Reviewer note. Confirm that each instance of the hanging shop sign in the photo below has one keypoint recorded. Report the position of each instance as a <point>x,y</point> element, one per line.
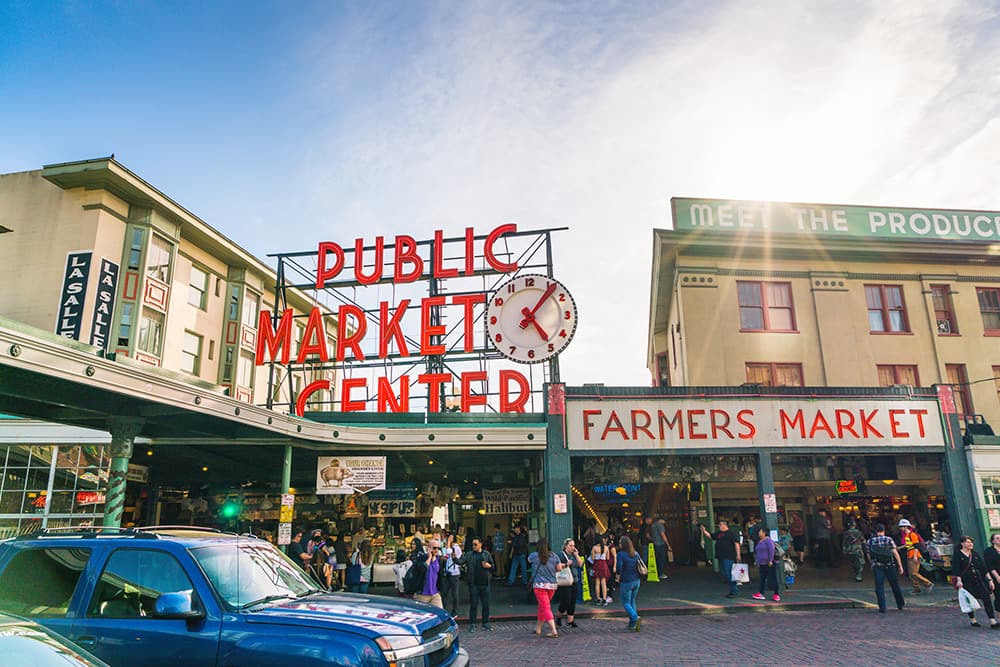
<point>848,486</point>
<point>506,501</point>
<point>392,503</point>
<point>529,319</point>
<point>749,422</point>
<point>137,473</point>
<point>343,475</point>
<point>104,307</point>
<point>737,216</point>
<point>69,319</point>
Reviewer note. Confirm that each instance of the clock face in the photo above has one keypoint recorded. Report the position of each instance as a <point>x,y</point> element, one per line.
<point>531,318</point>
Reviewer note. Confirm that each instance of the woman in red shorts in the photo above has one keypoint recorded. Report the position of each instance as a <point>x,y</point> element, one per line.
<point>602,572</point>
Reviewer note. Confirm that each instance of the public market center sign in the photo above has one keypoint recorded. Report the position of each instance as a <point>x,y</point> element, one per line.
<point>722,215</point>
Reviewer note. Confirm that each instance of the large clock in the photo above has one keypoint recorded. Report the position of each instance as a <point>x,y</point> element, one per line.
<point>531,318</point>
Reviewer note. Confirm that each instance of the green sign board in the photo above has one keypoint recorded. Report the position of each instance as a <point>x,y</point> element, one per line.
<point>725,215</point>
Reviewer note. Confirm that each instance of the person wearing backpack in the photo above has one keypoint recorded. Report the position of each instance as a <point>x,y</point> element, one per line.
<point>886,565</point>
<point>911,544</point>
<point>853,547</point>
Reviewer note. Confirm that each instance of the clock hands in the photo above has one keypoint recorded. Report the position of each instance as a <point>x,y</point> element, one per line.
<point>529,315</point>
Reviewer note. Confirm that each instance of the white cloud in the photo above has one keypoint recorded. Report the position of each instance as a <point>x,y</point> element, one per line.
<point>550,115</point>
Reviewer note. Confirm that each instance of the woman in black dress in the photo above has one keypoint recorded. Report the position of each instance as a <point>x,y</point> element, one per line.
<point>992,559</point>
<point>970,572</point>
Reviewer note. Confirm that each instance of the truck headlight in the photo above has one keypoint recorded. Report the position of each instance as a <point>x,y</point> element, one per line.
<point>401,650</point>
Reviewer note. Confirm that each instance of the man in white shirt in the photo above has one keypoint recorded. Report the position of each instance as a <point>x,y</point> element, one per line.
<point>449,596</point>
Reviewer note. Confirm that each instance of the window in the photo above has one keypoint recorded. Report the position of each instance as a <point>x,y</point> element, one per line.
<point>150,331</point>
<point>996,380</point>
<point>991,490</point>
<point>251,304</point>
<point>234,303</point>
<point>227,365</point>
<point>944,310</point>
<point>125,325</point>
<point>244,376</point>
<point>191,353</point>
<point>775,375</point>
<point>989,308</point>
<point>886,310</point>
<point>892,375</point>
<point>766,306</point>
<point>60,569</point>
<point>198,288</point>
<point>132,581</point>
<point>158,259</point>
<point>958,377</point>
<point>135,249</point>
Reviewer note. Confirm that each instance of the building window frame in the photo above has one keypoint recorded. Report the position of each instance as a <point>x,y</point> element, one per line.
<point>151,328</point>
<point>198,287</point>
<point>989,309</point>
<point>958,378</point>
<point>765,308</point>
<point>191,349</point>
<point>900,374</point>
<point>251,309</point>
<point>774,369</point>
<point>886,308</point>
<point>944,310</point>
<point>158,258</point>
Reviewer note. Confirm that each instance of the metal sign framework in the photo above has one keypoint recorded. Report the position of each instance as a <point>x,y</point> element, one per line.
<point>297,271</point>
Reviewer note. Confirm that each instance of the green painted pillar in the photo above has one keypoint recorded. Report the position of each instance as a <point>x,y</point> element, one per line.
<point>958,486</point>
<point>765,486</point>
<point>123,432</point>
<point>710,524</point>
<point>286,479</point>
<point>558,470</point>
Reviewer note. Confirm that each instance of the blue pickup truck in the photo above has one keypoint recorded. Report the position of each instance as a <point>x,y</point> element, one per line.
<point>182,596</point>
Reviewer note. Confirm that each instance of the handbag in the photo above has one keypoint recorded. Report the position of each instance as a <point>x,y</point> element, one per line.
<point>640,567</point>
<point>353,575</point>
<point>966,602</point>
<point>740,573</point>
<point>564,577</point>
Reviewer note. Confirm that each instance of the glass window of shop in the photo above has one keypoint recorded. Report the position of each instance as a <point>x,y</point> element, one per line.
<point>75,476</point>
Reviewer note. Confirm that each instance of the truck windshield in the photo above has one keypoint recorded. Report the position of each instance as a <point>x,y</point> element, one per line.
<point>247,574</point>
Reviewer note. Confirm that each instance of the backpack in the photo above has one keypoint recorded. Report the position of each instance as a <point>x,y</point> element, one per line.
<point>413,580</point>
<point>881,555</point>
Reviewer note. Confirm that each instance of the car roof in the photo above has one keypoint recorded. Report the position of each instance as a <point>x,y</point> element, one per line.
<point>187,536</point>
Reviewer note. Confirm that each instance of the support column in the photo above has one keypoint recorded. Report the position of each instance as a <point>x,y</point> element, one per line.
<point>710,544</point>
<point>286,479</point>
<point>557,469</point>
<point>765,485</point>
<point>123,432</point>
<point>958,485</point>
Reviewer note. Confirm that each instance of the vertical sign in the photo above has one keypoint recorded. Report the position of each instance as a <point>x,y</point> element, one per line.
<point>104,307</point>
<point>285,513</point>
<point>69,319</point>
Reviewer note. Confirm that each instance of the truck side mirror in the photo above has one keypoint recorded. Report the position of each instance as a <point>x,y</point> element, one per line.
<point>177,605</point>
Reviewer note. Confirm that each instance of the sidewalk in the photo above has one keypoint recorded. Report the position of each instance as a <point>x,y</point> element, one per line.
<point>699,590</point>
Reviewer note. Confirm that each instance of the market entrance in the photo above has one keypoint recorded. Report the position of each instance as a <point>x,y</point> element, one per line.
<point>617,494</point>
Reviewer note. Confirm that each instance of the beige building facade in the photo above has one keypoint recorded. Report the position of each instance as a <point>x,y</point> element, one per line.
<point>93,253</point>
<point>768,294</point>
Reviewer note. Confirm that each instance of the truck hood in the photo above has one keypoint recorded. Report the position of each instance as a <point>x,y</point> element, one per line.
<point>369,615</point>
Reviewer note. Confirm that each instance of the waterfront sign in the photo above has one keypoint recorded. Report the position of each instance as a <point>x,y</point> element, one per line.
<point>688,423</point>
<point>832,220</point>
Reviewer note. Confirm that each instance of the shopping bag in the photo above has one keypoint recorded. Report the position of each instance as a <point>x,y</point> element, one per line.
<point>740,573</point>
<point>966,602</point>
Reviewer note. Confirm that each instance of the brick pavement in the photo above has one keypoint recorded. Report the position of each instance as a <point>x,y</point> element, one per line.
<point>931,635</point>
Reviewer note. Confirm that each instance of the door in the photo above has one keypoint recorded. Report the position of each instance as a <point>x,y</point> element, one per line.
<point>119,624</point>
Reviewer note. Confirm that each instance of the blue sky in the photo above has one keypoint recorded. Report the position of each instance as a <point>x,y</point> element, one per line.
<point>283,124</point>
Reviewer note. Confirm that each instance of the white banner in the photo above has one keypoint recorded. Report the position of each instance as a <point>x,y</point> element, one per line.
<point>345,475</point>
<point>749,422</point>
<point>507,501</point>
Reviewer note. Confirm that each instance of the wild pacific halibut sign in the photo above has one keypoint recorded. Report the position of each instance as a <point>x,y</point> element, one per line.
<point>722,215</point>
